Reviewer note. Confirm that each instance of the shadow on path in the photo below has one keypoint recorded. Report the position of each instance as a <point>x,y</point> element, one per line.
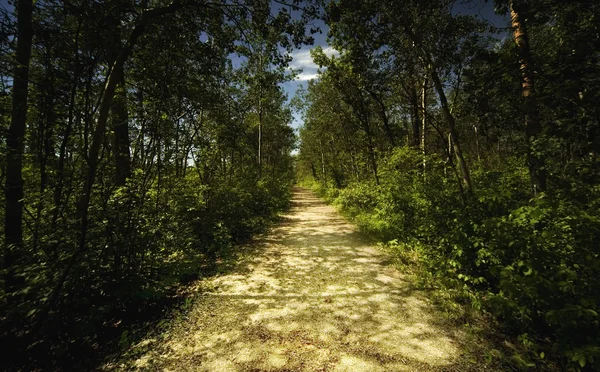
<point>318,297</point>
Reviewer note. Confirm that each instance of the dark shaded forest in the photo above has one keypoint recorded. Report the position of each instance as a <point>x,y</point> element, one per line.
<point>144,141</point>
<point>135,156</point>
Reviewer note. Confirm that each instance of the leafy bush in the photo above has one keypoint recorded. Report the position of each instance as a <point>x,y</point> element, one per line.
<point>143,243</point>
<point>535,264</point>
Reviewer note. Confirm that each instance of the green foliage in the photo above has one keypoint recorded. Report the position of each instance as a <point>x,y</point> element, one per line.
<point>129,198</point>
<point>395,155</point>
<point>534,264</point>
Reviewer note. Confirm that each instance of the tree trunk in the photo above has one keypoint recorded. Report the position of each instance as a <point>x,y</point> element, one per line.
<point>260,114</point>
<point>464,170</point>
<point>120,135</point>
<point>372,156</point>
<point>533,126</point>
<point>362,114</point>
<point>314,172</point>
<point>322,161</point>
<point>13,218</point>
<point>423,124</point>
<point>120,116</point>
<point>477,145</point>
<point>120,123</point>
<point>437,84</point>
<point>58,191</point>
<point>384,118</point>
<point>354,166</point>
<point>260,119</point>
<point>416,122</point>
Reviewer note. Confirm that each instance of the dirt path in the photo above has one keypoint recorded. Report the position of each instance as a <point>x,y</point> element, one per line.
<point>318,297</point>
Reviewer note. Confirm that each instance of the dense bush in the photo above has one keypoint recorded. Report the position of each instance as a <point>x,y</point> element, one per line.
<point>135,155</point>
<point>143,246</point>
<point>534,263</point>
<point>144,242</point>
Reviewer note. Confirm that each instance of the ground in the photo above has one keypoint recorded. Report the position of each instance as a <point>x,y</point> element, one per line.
<point>316,296</point>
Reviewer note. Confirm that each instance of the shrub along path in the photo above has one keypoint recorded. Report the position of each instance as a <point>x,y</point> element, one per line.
<point>317,297</point>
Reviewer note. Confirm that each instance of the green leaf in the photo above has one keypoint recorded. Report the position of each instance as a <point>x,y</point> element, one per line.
<point>582,361</point>
<point>536,214</point>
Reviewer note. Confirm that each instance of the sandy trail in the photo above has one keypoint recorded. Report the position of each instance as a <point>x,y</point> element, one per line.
<point>317,297</point>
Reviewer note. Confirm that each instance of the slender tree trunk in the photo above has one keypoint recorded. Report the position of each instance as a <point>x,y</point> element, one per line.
<point>120,121</point>
<point>533,126</point>
<point>45,121</point>
<point>363,117</point>
<point>260,116</point>
<point>437,84</point>
<point>322,160</point>
<point>416,122</point>
<point>260,119</point>
<point>45,147</point>
<point>58,192</point>
<point>13,218</point>
<point>158,175</point>
<point>335,162</point>
<point>384,118</point>
<point>372,156</point>
<point>423,124</point>
<point>314,172</point>
<point>120,138</point>
<point>462,164</point>
<point>354,166</point>
<point>477,145</point>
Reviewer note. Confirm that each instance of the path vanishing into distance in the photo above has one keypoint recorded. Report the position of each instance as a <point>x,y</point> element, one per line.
<point>317,296</point>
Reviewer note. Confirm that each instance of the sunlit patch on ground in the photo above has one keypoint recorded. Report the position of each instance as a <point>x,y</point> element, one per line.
<point>318,298</point>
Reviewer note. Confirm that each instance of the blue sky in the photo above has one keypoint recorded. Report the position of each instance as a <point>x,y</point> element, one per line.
<point>303,61</point>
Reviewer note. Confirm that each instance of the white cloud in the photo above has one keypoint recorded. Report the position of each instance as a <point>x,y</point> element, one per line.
<point>330,51</point>
<point>306,76</point>
<point>303,61</point>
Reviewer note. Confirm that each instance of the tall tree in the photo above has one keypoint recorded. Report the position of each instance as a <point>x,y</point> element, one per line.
<point>533,125</point>
<point>13,218</point>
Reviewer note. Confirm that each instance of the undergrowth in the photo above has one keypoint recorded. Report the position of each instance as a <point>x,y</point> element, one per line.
<point>163,245</point>
<point>531,264</point>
